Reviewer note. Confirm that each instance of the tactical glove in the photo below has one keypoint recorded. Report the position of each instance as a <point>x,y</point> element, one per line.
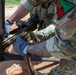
<point>20,46</point>
<point>8,24</point>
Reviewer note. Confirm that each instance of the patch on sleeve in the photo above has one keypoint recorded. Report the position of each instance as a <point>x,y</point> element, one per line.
<point>63,7</point>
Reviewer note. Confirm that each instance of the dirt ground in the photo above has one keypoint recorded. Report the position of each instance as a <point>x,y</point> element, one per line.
<point>17,67</point>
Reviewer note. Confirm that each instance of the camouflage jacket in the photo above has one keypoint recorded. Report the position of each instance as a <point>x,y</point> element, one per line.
<point>66,27</point>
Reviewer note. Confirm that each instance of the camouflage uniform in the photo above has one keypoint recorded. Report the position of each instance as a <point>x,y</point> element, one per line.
<point>63,44</point>
<point>65,40</point>
<point>46,17</point>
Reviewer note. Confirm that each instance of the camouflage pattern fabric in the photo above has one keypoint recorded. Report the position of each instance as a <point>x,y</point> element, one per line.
<point>34,2</point>
<point>66,42</point>
<point>45,12</point>
<point>42,10</point>
<point>66,33</point>
<point>66,67</point>
<point>45,34</point>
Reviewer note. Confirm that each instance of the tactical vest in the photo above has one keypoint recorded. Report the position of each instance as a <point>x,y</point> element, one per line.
<point>46,12</point>
<point>65,37</point>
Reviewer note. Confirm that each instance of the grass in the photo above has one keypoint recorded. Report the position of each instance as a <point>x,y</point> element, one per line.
<point>12,2</point>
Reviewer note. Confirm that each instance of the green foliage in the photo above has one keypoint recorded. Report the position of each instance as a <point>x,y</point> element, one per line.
<point>14,2</point>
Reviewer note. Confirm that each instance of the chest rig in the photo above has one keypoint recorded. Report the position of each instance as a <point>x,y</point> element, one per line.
<point>46,12</point>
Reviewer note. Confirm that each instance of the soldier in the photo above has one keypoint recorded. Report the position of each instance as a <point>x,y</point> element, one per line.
<point>62,45</point>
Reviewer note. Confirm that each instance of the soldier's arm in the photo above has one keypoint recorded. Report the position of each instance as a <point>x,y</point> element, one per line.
<point>39,49</point>
<point>19,13</point>
<point>23,10</point>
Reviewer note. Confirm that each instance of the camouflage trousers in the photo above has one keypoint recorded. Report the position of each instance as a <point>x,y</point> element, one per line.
<point>66,67</point>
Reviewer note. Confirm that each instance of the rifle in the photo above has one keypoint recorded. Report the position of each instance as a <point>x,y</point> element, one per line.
<point>4,56</point>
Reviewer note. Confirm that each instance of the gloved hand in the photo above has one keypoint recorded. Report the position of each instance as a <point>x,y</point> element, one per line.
<point>8,24</point>
<point>20,45</point>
